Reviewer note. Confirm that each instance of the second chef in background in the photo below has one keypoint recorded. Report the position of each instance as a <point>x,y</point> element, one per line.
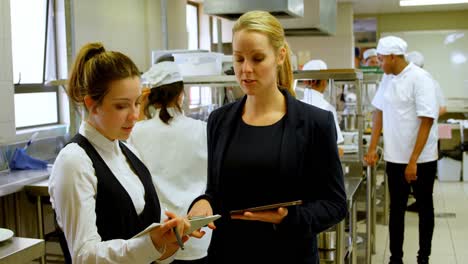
<point>173,147</point>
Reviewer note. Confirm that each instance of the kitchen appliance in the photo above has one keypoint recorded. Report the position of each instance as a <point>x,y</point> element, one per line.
<point>298,17</point>
<point>235,8</point>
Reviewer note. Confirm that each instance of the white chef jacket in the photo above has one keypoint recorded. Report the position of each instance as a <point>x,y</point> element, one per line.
<point>72,189</point>
<point>440,95</point>
<point>402,99</point>
<point>176,156</point>
<point>316,98</point>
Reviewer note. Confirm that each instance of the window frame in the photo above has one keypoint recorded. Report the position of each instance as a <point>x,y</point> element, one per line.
<point>23,88</point>
<point>197,6</point>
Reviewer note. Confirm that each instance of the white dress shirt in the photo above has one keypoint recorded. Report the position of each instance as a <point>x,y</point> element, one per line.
<point>72,189</point>
<point>403,99</point>
<point>316,98</point>
<point>176,155</point>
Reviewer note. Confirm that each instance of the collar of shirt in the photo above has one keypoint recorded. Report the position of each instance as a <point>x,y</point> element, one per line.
<point>98,140</point>
<point>316,93</point>
<point>403,73</point>
<point>174,112</point>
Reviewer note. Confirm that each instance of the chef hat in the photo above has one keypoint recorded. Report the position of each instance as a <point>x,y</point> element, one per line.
<point>415,57</point>
<point>314,65</point>
<point>162,73</point>
<point>369,53</point>
<point>391,45</point>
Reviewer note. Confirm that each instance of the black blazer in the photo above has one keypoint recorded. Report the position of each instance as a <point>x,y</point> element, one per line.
<point>309,162</point>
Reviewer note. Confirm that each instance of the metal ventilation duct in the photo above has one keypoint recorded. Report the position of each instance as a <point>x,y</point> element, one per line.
<point>298,17</point>
<point>233,9</point>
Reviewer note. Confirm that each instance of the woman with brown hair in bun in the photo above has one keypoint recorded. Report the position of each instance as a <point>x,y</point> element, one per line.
<point>102,193</point>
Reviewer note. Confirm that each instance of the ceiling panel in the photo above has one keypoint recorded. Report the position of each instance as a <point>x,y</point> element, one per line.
<point>393,6</point>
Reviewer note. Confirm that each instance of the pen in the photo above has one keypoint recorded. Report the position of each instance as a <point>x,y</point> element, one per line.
<point>177,235</point>
<point>179,239</point>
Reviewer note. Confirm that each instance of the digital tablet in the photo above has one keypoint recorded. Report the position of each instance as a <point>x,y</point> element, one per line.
<point>267,207</point>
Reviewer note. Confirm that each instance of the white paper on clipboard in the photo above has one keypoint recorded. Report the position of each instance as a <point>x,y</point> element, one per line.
<point>195,223</point>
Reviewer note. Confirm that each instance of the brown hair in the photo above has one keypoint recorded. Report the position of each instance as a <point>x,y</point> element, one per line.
<point>94,68</point>
<point>163,96</point>
<point>263,22</point>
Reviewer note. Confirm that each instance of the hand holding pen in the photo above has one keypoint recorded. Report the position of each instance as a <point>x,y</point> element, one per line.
<point>176,232</point>
<point>164,238</point>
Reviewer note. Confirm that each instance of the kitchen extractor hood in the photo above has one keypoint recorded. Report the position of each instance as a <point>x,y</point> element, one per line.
<point>299,18</point>
<point>233,9</point>
<point>319,19</point>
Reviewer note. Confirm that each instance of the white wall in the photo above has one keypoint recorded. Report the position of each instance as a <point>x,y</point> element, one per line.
<point>337,51</point>
<point>118,24</point>
<point>7,109</point>
<point>132,27</point>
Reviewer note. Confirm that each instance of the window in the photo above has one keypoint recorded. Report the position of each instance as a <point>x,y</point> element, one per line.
<point>33,52</point>
<point>192,25</point>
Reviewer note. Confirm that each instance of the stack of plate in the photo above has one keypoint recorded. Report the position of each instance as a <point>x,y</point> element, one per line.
<point>5,234</point>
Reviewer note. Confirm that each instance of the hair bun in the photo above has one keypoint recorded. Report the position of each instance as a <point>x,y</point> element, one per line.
<point>96,49</point>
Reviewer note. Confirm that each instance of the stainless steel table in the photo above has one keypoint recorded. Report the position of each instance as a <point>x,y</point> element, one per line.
<point>19,250</point>
<point>39,190</point>
<point>14,181</point>
<point>352,184</point>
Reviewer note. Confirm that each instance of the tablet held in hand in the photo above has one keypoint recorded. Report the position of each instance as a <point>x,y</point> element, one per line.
<point>267,207</point>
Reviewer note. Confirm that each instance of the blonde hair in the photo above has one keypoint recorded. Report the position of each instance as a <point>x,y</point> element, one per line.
<point>94,68</point>
<point>264,23</point>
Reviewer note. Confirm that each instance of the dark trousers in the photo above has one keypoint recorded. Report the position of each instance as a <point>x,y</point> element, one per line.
<point>195,261</point>
<point>399,189</point>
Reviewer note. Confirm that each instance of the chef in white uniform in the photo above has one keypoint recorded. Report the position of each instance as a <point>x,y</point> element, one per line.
<point>313,94</point>
<point>370,57</point>
<point>418,59</point>
<point>174,149</point>
<point>406,107</point>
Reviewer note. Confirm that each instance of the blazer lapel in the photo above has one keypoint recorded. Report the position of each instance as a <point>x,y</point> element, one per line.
<point>226,129</point>
<point>293,138</point>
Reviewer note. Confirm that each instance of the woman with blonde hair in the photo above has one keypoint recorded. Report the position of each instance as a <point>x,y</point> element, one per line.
<point>265,149</point>
<point>103,195</point>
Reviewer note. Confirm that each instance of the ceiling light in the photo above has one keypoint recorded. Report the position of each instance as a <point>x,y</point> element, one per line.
<point>430,2</point>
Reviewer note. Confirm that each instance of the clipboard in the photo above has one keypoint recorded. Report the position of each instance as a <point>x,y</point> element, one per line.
<point>195,223</point>
<point>267,207</point>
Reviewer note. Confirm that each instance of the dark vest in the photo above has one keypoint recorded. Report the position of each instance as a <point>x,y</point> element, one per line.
<point>116,217</point>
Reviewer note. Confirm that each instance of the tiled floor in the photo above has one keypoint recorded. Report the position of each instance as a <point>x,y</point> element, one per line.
<point>450,241</point>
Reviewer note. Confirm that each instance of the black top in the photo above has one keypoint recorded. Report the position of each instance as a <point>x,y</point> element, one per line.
<point>116,217</point>
<point>308,169</point>
<point>253,157</point>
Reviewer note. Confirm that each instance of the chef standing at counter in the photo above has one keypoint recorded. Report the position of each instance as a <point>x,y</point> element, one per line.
<point>313,94</point>
<point>102,193</point>
<point>267,148</point>
<point>173,147</point>
<point>406,107</point>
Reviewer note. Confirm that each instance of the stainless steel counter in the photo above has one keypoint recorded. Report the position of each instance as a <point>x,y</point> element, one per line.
<point>14,181</point>
<point>350,157</point>
<point>18,250</point>
<point>352,184</point>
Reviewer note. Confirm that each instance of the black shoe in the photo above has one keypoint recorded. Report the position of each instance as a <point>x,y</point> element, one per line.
<point>396,262</point>
<point>412,208</point>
